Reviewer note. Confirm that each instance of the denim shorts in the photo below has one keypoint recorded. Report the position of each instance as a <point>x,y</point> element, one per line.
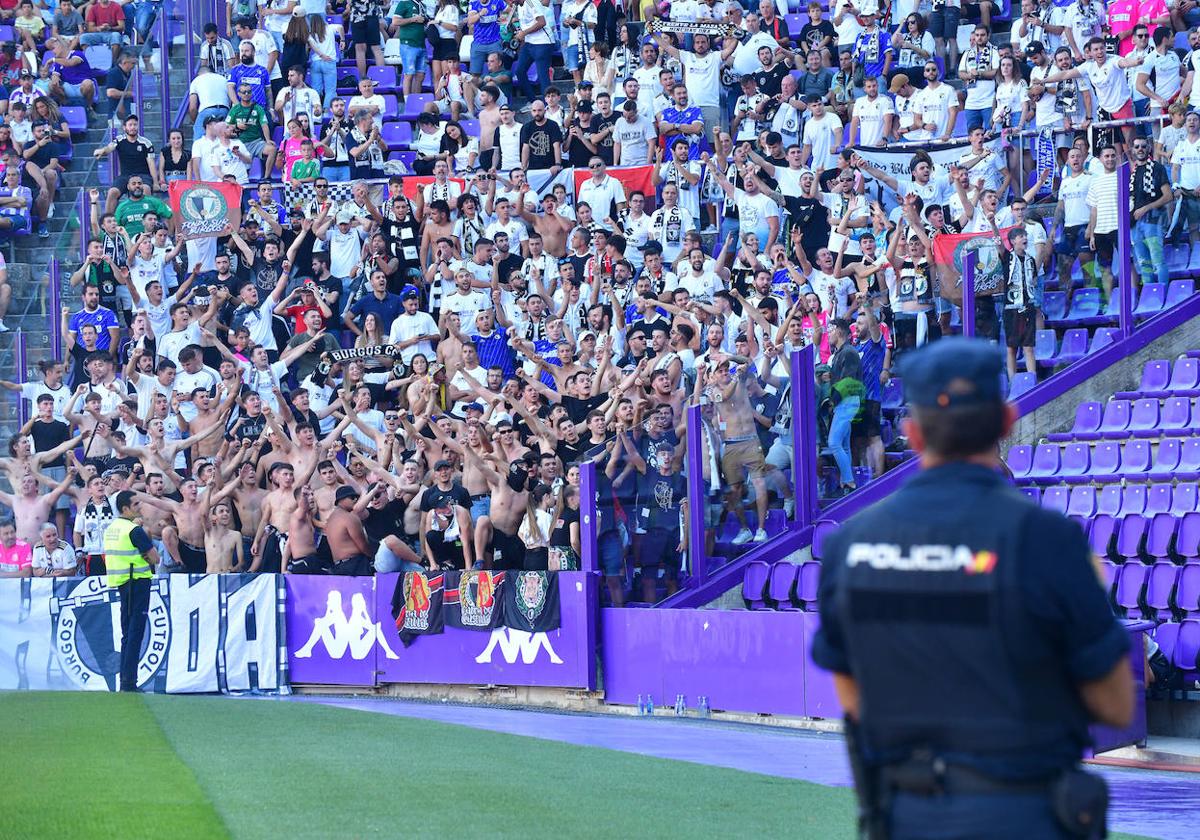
<point>1072,241</point>
<point>413,59</point>
<point>611,553</point>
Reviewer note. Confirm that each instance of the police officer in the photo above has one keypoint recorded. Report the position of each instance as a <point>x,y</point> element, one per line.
<point>129,559</point>
<point>970,641</point>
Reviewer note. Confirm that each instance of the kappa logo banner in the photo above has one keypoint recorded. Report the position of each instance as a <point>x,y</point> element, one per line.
<point>896,162</point>
<point>531,602</point>
<point>202,207</point>
<point>417,605</point>
<point>519,646</point>
<point>473,599</point>
<point>218,633</point>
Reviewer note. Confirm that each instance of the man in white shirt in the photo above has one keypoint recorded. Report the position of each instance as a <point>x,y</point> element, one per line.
<point>207,96</point>
<point>634,137</point>
<point>822,135</point>
<point>743,56</point>
<point>368,100</point>
<point>936,106</point>
<point>977,69</point>
<point>1185,174</point>
<point>1082,21</point>
<point>700,282</point>
<point>985,163</point>
<point>466,301</point>
<point>702,76</point>
<point>1102,224</point>
<point>1072,216</point>
<point>904,122</point>
<point>872,116</point>
<point>298,98</point>
<point>1163,64</point>
<point>413,330</point>
<point>1109,84</point>
<point>603,193</point>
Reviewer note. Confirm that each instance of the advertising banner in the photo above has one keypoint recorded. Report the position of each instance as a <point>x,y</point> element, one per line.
<point>205,633</point>
<point>896,162</point>
<point>202,207</point>
<point>333,636</point>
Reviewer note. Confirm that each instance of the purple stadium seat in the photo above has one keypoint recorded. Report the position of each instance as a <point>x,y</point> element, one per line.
<point>807,582</point>
<point>754,584</point>
<point>1110,571</point>
<point>1189,460</point>
<point>1178,291</point>
<point>1166,459</point>
<point>1150,301</point>
<point>1106,461</point>
<point>1160,586</point>
<point>1160,535</point>
<point>1085,306</point>
<point>1034,494</point>
<point>1185,379</point>
<point>1187,590</point>
<point>822,529</point>
<point>76,118</point>
<point>1054,306</point>
<point>1045,345</point>
<point>1183,499</point>
<point>781,584</point>
<point>384,78</point>
<point>391,107</point>
<point>1133,500</point>
<point>892,396</point>
<point>1115,423</point>
<point>1076,458</point>
<point>1074,347</point>
<point>1158,499</point>
<point>1108,502</point>
<point>1022,383</point>
<point>1176,417</point>
<point>1187,536</point>
<point>1087,424</point>
<point>415,103</point>
<point>1187,646</point>
<point>1085,525</point>
<point>470,127</point>
<point>1101,533</point>
<point>1103,337</point>
<point>1167,635</point>
<point>1130,582</point>
<point>1130,536</point>
<point>1082,501</point>
<point>1056,498</point>
<point>1143,418</point>
<point>1020,461</point>
<point>397,135</point>
<point>1155,376</point>
<point>1135,459</point>
<point>1111,314</point>
<point>1046,460</point>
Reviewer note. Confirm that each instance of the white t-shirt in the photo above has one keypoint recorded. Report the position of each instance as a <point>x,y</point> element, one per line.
<point>169,344</point>
<point>32,390</point>
<point>753,213</point>
<point>1187,157</point>
<point>848,29</point>
<point>1073,193</point>
<point>824,135</point>
<point>1165,69</point>
<point>933,104</point>
<point>1044,115</point>
<point>1102,195</point>
<point>1109,83</point>
<point>602,197</point>
<point>1084,21</point>
<point>703,78</point>
<point>345,249</point>
<point>871,117</point>
<point>634,137</point>
<point>833,291</point>
<point>264,45</point>
<point>264,382</point>
<point>210,90</point>
<point>667,226</point>
<point>527,16</point>
<point>459,381</point>
<point>467,307</point>
<point>980,92</point>
<point>304,100</point>
<point>991,169</point>
<point>410,326</point>
<point>142,271</point>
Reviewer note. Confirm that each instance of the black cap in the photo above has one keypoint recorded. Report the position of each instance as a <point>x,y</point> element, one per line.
<point>345,492</point>
<point>653,246</point>
<point>442,463</point>
<point>584,106</point>
<point>953,372</point>
<point>1034,47</point>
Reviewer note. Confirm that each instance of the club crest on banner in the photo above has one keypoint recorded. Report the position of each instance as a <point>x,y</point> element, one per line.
<point>477,597</point>
<point>415,615</point>
<point>531,594</point>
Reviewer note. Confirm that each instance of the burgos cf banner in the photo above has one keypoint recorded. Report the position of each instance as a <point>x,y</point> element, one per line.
<point>202,207</point>
<point>204,634</point>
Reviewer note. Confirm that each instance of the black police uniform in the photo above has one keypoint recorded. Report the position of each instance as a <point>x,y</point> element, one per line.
<point>968,616</point>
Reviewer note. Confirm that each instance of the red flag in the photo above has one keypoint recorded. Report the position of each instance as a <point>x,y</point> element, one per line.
<point>203,207</point>
<point>632,178</point>
<point>950,251</point>
<point>413,184</point>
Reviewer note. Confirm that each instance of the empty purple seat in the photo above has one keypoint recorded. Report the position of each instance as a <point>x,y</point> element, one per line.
<point>1160,535</point>
<point>1082,501</point>
<point>1160,586</point>
<point>1022,383</point>
<point>821,530</point>
<point>1047,458</point>
<point>1115,423</point>
<point>1166,459</point>
<point>1133,499</point>
<point>1183,499</point>
<point>754,584</point>
<point>1020,461</point>
<point>1176,416</point>
<point>807,582</point>
<point>1101,533</point>
<point>1158,499</point>
<point>1150,301</point>
<point>415,103</point>
<point>76,118</point>
<point>1103,337</point>
<point>391,107</point>
<point>1155,375</point>
<point>1074,347</point>
<point>892,396</point>
<point>1136,458</point>
<point>1143,418</point>
<point>1087,424</point>
<point>1106,461</point>
<point>1108,502</point>
<point>384,78</point>
<point>1187,537</point>
<point>1054,306</point>
<point>1045,344</point>
<point>1130,536</point>
<point>1076,458</point>
<point>1187,646</point>
<point>1032,493</point>
<point>397,135</point>
<point>1056,499</point>
<point>1178,291</point>
<point>1185,378</point>
<point>1166,635</point>
<point>1110,570</point>
<point>781,584</point>
<point>1130,582</point>
<point>1187,590</point>
<point>1189,460</point>
<point>1085,305</point>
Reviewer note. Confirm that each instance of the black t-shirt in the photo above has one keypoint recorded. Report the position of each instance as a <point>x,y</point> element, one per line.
<point>46,436</point>
<point>78,373</point>
<point>508,265</point>
<point>605,147</point>
<point>251,427</point>
<point>132,155</point>
<point>660,505</point>
<point>111,462</point>
<point>568,452</point>
<point>266,274</point>
<point>577,409</point>
<point>770,81</point>
<point>541,139</point>
<point>435,497</point>
<point>811,35</point>
<point>1147,182</point>
<point>560,537</point>
<point>388,519</point>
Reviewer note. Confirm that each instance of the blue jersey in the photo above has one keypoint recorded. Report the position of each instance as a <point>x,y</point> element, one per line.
<point>494,351</point>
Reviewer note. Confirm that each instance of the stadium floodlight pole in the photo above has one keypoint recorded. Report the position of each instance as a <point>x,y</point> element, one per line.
<point>697,498</point>
<point>804,435</point>
<point>970,263</point>
<point>588,520</point>
<point>1124,253</point>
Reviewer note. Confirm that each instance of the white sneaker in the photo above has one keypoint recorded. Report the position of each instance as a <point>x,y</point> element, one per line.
<point>789,507</point>
<point>743,537</point>
<point>760,535</point>
<point>3,327</point>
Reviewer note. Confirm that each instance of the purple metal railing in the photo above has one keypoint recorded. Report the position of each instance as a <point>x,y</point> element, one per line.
<point>56,336</point>
<point>970,264</point>
<point>22,359</point>
<point>587,517</point>
<point>804,427</point>
<point>697,494</point>
<point>164,72</point>
<point>1124,253</point>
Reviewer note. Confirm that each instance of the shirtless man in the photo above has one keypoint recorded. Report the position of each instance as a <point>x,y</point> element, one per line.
<point>248,500</point>
<point>90,420</point>
<point>300,553</point>
<point>222,544</point>
<point>473,481</point>
<point>347,538</point>
<point>323,500</point>
<point>159,454</point>
<point>741,452</point>
<point>437,227</point>
<point>155,520</point>
<point>277,508</point>
<point>31,511</point>
<point>185,539</point>
<point>209,413</point>
<point>24,460</point>
<point>510,498</point>
<point>552,227</point>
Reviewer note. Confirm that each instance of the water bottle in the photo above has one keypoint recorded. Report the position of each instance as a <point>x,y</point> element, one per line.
<point>680,705</point>
<point>703,706</point>
<point>650,705</point>
<point>641,706</point>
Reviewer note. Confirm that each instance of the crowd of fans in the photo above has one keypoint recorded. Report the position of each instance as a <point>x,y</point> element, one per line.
<point>393,378</point>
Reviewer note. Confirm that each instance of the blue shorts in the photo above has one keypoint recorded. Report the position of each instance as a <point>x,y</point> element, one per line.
<point>1072,241</point>
<point>571,58</point>
<point>480,507</point>
<point>413,60</point>
<point>610,553</point>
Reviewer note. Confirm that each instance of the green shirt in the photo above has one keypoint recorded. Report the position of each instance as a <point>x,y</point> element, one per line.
<point>410,34</point>
<point>256,122</point>
<point>131,210</point>
<point>306,169</point>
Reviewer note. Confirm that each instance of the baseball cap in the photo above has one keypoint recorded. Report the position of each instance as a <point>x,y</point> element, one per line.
<point>1034,47</point>
<point>586,84</point>
<point>505,107</point>
<point>345,492</point>
<point>953,372</point>
<point>584,106</point>
<point>442,464</point>
<point>898,81</point>
<point>344,217</point>
<point>475,407</point>
<point>409,292</point>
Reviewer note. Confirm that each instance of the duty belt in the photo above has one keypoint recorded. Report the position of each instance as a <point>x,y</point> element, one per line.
<point>930,776</point>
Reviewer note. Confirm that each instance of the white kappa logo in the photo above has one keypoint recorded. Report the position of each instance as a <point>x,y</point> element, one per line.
<point>518,643</point>
<point>357,634</point>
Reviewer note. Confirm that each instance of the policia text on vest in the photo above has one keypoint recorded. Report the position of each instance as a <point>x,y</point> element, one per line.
<point>129,559</point>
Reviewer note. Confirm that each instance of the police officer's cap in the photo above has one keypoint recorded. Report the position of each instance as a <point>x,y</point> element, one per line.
<point>953,372</point>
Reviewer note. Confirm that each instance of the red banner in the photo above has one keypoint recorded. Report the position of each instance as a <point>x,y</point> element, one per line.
<point>413,184</point>
<point>950,252</point>
<point>632,178</point>
<point>203,207</point>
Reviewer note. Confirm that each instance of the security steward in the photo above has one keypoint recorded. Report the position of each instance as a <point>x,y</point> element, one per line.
<point>129,559</point>
<point>969,638</point>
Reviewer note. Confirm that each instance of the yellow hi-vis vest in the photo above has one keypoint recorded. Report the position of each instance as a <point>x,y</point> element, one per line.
<point>122,560</point>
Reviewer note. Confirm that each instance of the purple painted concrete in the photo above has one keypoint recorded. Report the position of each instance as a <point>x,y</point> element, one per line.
<point>804,436</point>
<point>970,263</point>
<point>331,629</point>
<point>697,496</point>
<point>1124,252</point>
<point>565,657</point>
<point>587,517</point>
<point>1146,803</point>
